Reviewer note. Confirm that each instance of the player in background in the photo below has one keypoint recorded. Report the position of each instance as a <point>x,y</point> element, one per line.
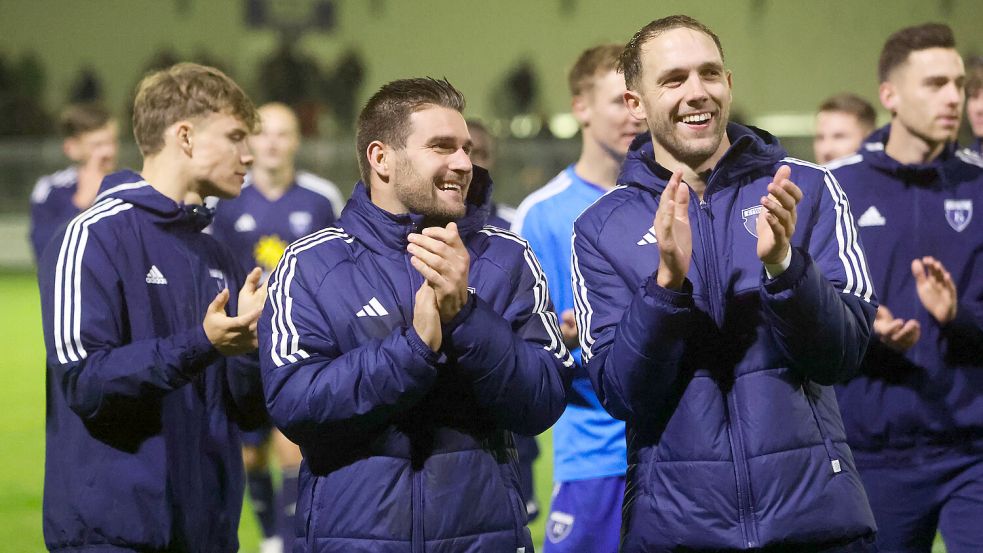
<point>588,444</point>
<point>842,123</point>
<point>91,142</point>
<point>914,415</point>
<point>278,205</point>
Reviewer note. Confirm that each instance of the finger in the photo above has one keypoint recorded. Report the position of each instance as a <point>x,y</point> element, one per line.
<point>783,173</point>
<point>430,243</point>
<point>429,274</point>
<point>243,322</point>
<point>680,197</point>
<point>782,195</point>
<point>569,316</point>
<point>252,280</point>
<point>432,259</point>
<point>918,271</point>
<point>777,225</point>
<point>218,304</point>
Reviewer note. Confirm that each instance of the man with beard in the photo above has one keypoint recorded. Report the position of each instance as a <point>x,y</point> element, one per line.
<point>588,445</point>
<point>403,392</point>
<point>914,415</point>
<point>717,329</point>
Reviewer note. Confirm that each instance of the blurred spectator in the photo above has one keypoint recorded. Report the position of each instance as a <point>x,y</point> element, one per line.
<point>842,123</point>
<point>974,100</point>
<point>91,142</point>
<point>483,154</point>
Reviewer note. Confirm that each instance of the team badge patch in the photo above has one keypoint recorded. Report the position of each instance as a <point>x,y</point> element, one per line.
<point>559,526</point>
<point>958,213</point>
<point>300,222</point>
<point>750,216</point>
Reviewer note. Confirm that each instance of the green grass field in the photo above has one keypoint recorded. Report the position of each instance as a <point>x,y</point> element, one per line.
<point>22,428</point>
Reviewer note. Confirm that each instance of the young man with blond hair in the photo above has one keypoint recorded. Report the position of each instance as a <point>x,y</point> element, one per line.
<point>147,383</point>
<point>588,444</point>
<point>842,123</point>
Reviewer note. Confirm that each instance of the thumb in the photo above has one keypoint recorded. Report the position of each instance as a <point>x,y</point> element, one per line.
<point>918,270</point>
<point>218,304</point>
<point>252,279</point>
<point>784,172</point>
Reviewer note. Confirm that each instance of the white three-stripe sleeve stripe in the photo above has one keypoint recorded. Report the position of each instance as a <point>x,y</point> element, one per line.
<point>541,295</point>
<point>285,345</point>
<point>581,304</point>
<point>67,321</point>
<point>851,255</point>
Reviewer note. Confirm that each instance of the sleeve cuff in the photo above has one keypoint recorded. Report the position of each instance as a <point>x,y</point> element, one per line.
<point>790,276</point>
<point>677,298</point>
<point>199,352</point>
<point>420,347</point>
<point>772,270</point>
<point>461,316</point>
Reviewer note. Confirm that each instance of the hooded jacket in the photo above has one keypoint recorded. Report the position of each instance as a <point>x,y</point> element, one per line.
<point>405,449</point>
<point>932,394</point>
<point>734,436</point>
<point>142,435</point>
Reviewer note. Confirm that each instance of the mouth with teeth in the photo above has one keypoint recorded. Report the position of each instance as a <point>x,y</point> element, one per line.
<point>697,120</point>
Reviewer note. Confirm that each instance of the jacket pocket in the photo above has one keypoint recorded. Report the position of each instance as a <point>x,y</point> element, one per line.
<point>834,461</point>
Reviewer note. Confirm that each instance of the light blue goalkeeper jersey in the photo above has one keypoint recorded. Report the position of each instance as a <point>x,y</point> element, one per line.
<point>587,441</point>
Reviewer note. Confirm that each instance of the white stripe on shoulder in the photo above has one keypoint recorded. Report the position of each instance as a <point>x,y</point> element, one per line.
<point>122,187</point>
<point>970,157</point>
<point>67,322</point>
<point>541,296</point>
<point>60,179</point>
<point>844,161</point>
<point>324,187</point>
<point>851,255</point>
<point>804,163</point>
<point>558,184</point>
<point>582,308</point>
<point>285,345</point>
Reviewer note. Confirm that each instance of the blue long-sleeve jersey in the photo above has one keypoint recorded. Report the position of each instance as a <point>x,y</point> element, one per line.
<point>587,442</point>
<point>142,440</point>
<point>734,436</point>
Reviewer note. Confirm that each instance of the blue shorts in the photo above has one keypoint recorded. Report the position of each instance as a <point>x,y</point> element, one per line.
<point>585,516</point>
<point>924,490</point>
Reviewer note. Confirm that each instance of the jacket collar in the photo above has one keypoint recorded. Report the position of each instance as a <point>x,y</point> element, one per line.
<point>130,187</point>
<point>386,232</point>
<point>914,173</point>
<point>751,151</point>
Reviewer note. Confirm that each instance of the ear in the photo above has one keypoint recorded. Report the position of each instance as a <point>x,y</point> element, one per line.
<point>635,106</point>
<point>182,135</point>
<point>888,95</point>
<point>379,156</point>
<point>580,105</point>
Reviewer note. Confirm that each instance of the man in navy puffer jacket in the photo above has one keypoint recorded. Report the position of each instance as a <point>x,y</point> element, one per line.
<point>716,331</point>
<point>401,348</point>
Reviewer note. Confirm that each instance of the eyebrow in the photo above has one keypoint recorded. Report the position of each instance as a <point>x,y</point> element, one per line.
<point>448,139</point>
<point>702,67</point>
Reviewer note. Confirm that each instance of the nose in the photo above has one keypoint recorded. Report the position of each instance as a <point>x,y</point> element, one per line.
<point>696,91</point>
<point>245,154</point>
<point>460,161</point>
<point>954,93</point>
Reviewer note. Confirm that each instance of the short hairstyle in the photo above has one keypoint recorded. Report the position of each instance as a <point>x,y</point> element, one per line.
<point>185,91</point>
<point>851,104</point>
<point>902,43</point>
<point>386,116</point>
<point>78,119</point>
<point>974,75</point>
<point>592,63</point>
<point>630,62</point>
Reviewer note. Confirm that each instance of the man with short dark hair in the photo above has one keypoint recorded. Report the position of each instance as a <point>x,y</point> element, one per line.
<point>842,123</point>
<point>974,101</point>
<point>717,329</point>
<point>147,385</point>
<point>403,392</point>
<point>914,416</point>
<point>91,143</point>
<point>588,445</point>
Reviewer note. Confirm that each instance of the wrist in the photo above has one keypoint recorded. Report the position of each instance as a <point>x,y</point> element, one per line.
<point>773,269</point>
<point>668,281</point>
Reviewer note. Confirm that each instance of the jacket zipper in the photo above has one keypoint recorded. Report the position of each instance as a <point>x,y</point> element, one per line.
<point>834,462</point>
<point>417,540</point>
<point>745,510</point>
